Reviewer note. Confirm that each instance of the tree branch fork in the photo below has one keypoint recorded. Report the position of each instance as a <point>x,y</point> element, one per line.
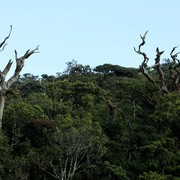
<point>157,66</point>
<point>5,85</point>
<point>19,64</point>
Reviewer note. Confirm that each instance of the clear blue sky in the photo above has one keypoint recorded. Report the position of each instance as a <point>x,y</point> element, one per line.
<point>92,32</point>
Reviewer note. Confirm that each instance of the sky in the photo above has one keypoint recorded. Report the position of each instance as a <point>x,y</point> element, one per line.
<point>92,32</point>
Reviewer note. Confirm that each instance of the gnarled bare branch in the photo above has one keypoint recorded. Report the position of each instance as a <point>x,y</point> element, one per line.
<point>7,68</point>
<point>5,85</point>
<point>174,71</point>
<point>20,65</point>
<point>143,66</point>
<point>3,44</point>
<point>157,66</point>
<point>176,62</point>
<point>139,48</point>
<point>4,73</point>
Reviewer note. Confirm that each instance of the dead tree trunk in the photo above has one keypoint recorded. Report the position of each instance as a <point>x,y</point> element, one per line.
<point>5,85</point>
<point>174,71</point>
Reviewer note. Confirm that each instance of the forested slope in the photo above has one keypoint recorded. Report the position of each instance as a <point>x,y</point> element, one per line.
<point>103,123</point>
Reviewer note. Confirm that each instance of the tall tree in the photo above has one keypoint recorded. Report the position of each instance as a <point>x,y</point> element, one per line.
<point>5,85</point>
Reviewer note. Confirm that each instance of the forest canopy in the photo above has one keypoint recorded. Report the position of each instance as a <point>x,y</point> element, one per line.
<point>109,122</point>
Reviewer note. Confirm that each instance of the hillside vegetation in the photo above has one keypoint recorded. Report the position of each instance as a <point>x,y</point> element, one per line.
<point>105,123</point>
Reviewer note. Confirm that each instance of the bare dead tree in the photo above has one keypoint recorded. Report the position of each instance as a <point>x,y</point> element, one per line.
<point>143,66</point>
<point>5,85</point>
<point>174,71</point>
<point>175,74</point>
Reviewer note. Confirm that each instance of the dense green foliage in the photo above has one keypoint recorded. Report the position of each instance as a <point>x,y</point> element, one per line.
<point>107,123</point>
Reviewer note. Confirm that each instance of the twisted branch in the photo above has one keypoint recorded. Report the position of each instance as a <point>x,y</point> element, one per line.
<point>157,66</point>
<point>174,71</point>
<point>143,66</point>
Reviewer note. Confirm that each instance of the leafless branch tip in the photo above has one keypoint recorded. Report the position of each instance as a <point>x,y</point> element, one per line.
<point>3,44</point>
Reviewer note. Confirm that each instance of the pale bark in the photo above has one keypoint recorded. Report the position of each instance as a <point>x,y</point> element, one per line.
<point>2,100</point>
<point>5,85</point>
